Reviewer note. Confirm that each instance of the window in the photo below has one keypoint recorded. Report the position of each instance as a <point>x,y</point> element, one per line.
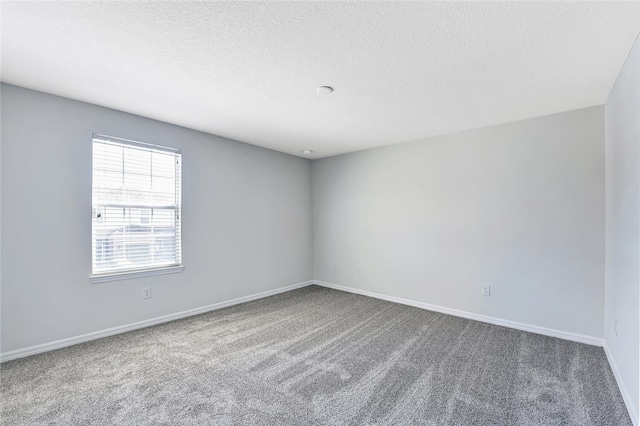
<point>136,209</point>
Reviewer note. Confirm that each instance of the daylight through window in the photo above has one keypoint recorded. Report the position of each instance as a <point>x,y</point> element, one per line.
<point>136,206</point>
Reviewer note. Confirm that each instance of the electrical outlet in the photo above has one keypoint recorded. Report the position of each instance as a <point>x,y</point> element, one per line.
<point>335,267</point>
<point>146,293</point>
<point>357,270</point>
<point>615,327</point>
<point>486,290</point>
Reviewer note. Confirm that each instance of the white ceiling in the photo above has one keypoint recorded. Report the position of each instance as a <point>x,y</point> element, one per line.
<point>249,71</point>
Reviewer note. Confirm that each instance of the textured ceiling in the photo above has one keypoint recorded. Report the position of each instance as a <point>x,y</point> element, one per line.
<point>249,71</point>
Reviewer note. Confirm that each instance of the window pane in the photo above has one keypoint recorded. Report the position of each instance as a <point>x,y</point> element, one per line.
<point>107,157</point>
<point>137,161</point>
<point>136,196</point>
<point>164,191</point>
<point>137,189</point>
<point>108,187</point>
<point>164,164</point>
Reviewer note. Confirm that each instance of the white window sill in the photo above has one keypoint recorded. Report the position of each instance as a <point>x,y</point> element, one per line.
<point>95,279</point>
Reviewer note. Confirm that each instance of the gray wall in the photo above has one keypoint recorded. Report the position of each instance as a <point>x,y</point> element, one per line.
<point>518,206</point>
<point>622,295</point>
<point>246,221</point>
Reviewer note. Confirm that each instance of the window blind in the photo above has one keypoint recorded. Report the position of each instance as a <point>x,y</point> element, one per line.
<point>136,223</point>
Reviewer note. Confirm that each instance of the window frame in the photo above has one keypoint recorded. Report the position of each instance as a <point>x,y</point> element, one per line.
<point>144,271</point>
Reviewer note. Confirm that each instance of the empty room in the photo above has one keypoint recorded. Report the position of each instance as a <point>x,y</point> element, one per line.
<point>319,213</point>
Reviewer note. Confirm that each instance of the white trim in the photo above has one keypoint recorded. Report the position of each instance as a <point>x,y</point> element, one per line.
<point>96,279</point>
<point>128,142</point>
<point>581,338</point>
<point>45,347</point>
<point>622,386</point>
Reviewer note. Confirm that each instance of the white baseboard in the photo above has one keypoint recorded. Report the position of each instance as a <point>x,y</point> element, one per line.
<point>622,386</point>
<point>581,338</point>
<point>45,347</point>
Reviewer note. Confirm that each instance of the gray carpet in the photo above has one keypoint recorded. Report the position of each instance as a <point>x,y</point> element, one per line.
<point>316,356</point>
